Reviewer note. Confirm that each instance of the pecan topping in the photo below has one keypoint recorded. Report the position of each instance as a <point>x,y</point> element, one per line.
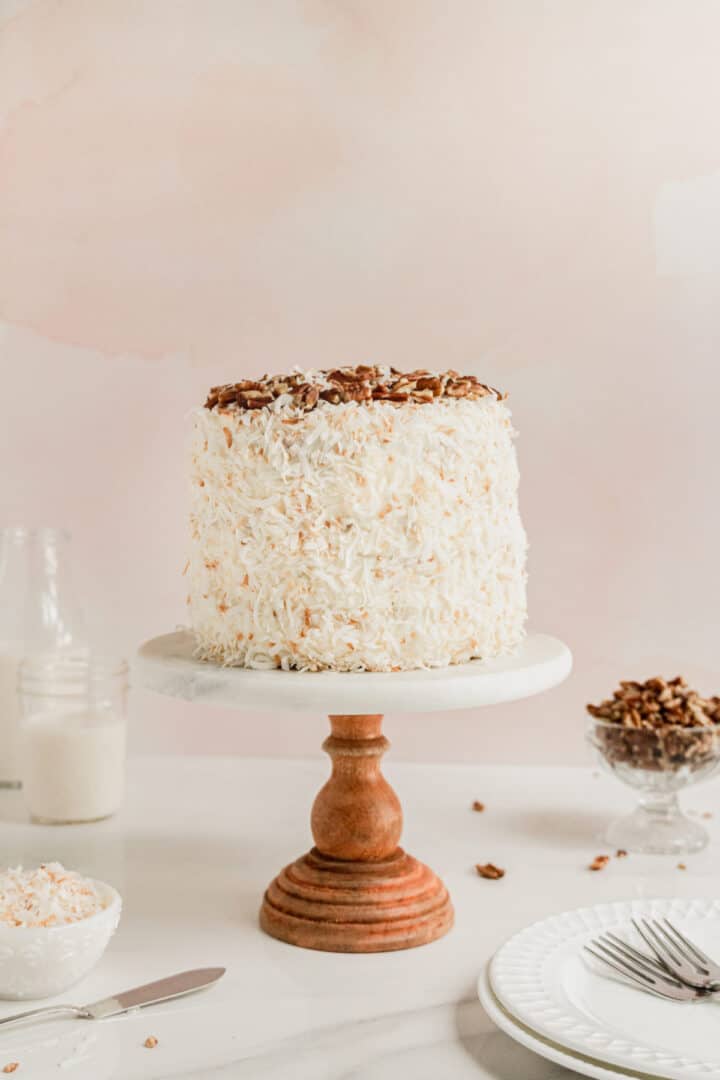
<point>339,386</point>
<point>307,395</point>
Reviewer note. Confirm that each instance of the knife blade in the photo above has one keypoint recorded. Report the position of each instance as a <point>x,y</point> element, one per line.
<point>174,986</point>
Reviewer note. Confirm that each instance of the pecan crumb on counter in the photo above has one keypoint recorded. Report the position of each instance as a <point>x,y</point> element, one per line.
<point>599,862</point>
<point>478,806</point>
<point>11,1066</point>
<point>681,866</point>
<point>489,871</point>
<point>621,853</point>
<point>150,1042</point>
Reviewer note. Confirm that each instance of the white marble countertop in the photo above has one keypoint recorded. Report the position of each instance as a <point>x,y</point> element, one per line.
<point>199,840</point>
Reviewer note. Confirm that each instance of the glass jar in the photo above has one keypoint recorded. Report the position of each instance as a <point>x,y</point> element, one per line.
<point>73,736</point>
<point>37,613</point>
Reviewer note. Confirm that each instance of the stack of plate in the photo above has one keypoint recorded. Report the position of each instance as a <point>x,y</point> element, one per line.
<point>540,991</point>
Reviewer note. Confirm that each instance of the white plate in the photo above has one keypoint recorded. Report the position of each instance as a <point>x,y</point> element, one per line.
<point>540,978</point>
<point>543,1047</point>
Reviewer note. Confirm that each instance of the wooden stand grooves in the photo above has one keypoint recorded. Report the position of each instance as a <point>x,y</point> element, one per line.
<point>356,890</point>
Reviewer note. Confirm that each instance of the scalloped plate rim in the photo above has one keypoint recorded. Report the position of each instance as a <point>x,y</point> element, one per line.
<point>546,1048</point>
<point>513,993</point>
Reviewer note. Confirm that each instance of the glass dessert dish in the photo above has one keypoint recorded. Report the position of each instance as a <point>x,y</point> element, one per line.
<point>657,762</point>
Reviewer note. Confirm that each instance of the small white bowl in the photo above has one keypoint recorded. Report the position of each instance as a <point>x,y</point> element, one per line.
<point>41,961</point>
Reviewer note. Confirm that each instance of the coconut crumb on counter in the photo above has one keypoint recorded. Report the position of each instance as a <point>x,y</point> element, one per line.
<point>48,896</point>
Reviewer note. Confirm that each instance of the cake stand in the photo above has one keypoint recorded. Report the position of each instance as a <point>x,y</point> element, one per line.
<point>356,890</point>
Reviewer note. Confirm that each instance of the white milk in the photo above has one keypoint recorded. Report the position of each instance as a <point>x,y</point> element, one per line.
<point>9,720</point>
<point>73,765</point>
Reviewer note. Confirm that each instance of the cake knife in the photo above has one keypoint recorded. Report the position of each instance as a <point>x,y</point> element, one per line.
<point>186,982</point>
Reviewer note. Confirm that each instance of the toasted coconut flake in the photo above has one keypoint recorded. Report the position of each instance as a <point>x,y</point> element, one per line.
<point>48,896</point>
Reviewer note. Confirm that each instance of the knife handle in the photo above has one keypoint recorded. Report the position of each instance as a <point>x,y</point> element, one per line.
<point>45,1013</point>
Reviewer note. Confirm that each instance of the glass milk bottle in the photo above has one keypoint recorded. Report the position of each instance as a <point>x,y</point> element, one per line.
<point>73,736</point>
<point>37,612</point>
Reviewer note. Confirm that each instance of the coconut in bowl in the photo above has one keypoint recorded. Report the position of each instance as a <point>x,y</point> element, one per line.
<point>54,927</point>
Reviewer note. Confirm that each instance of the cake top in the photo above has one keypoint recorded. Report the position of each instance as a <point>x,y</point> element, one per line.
<point>336,386</point>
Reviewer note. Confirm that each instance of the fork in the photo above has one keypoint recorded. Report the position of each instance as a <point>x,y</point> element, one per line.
<point>641,971</point>
<point>678,955</point>
<point>678,970</point>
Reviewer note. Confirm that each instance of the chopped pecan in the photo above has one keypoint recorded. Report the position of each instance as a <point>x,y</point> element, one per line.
<point>363,383</point>
<point>433,382</point>
<point>307,395</point>
<point>658,725</point>
<point>599,862</point>
<point>489,871</point>
<point>357,392</point>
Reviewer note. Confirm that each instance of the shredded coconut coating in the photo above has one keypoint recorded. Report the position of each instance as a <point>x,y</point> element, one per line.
<point>48,896</point>
<point>356,537</point>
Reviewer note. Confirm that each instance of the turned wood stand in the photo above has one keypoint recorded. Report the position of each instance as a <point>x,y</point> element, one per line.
<point>356,890</point>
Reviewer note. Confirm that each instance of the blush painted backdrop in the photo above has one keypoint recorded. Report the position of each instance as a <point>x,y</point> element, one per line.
<point>529,191</point>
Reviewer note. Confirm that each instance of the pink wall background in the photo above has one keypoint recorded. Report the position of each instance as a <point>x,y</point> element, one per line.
<point>196,192</point>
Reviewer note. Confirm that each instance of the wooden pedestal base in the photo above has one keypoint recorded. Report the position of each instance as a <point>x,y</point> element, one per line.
<point>356,890</point>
